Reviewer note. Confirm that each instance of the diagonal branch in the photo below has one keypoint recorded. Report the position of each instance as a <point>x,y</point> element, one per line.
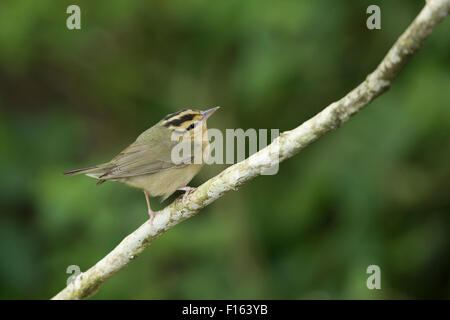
<point>285,146</point>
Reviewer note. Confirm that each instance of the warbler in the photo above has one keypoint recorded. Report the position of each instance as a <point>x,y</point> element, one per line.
<point>149,164</point>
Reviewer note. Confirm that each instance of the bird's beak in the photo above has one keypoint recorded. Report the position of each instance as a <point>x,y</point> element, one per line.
<point>207,113</point>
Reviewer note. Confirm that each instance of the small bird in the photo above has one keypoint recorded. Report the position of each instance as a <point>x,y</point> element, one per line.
<point>148,164</point>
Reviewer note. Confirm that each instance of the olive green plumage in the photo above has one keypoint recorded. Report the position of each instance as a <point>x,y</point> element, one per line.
<point>147,163</point>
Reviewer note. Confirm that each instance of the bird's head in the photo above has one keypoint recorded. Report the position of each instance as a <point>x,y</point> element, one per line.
<point>186,120</point>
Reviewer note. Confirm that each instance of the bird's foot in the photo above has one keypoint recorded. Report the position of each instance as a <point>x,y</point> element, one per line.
<point>187,190</point>
<point>151,213</point>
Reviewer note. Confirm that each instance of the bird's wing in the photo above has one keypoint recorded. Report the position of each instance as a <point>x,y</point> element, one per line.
<point>144,156</point>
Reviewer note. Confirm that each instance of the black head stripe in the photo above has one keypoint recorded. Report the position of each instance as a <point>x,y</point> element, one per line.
<point>174,114</point>
<point>178,121</point>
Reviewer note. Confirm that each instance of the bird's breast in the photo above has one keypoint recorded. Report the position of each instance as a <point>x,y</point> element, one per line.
<point>165,182</point>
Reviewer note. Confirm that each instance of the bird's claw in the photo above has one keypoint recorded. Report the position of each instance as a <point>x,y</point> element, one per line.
<point>187,191</point>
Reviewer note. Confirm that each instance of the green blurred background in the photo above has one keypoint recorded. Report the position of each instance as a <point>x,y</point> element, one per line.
<point>376,191</point>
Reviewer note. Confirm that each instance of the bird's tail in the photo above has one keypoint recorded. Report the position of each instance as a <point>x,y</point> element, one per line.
<point>78,171</point>
<point>94,171</point>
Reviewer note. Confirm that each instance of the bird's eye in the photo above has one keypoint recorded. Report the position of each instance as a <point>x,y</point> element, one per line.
<point>191,126</point>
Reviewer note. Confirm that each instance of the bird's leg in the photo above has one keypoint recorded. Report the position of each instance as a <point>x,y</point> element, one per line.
<point>187,191</point>
<point>151,213</point>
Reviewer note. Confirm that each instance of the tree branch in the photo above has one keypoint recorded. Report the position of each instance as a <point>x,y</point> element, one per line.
<point>285,146</point>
